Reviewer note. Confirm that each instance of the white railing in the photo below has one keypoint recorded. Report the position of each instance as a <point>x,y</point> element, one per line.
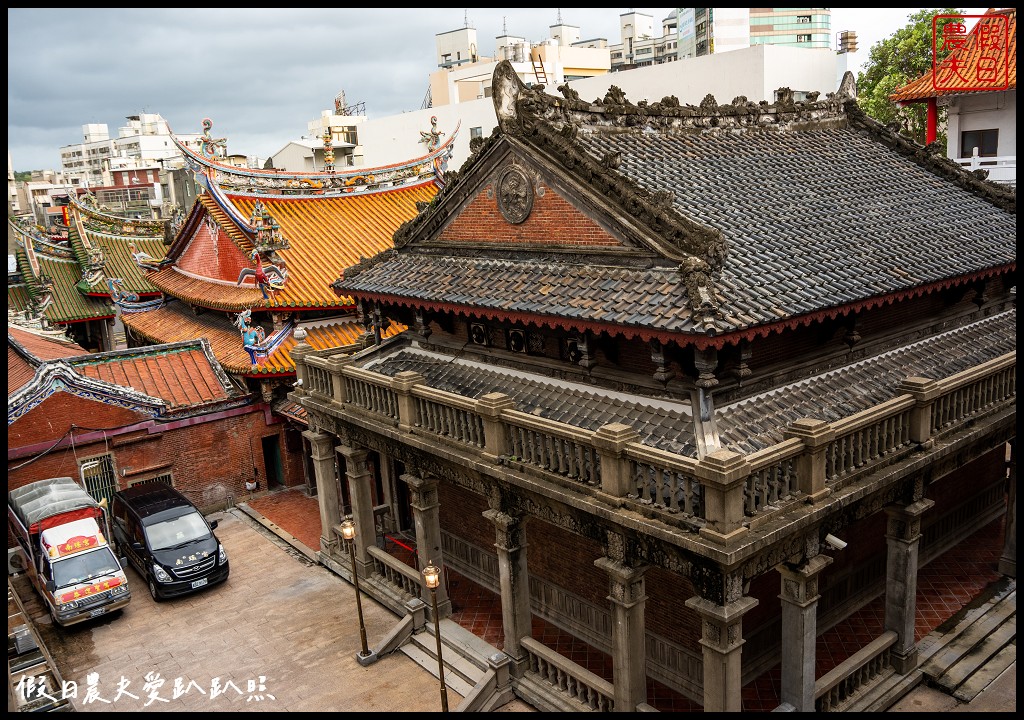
<point>1001,168</point>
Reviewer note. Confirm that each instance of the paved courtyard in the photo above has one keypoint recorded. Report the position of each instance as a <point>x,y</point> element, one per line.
<point>280,635</point>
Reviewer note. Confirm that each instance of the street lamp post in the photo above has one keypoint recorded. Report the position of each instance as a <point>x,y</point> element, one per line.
<point>348,531</point>
<point>432,575</point>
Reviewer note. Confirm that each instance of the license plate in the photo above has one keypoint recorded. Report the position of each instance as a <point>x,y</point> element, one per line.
<point>97,611</point>
<point>199,583</point>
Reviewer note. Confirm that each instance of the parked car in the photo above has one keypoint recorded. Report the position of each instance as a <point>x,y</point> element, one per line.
<point>168,540</point>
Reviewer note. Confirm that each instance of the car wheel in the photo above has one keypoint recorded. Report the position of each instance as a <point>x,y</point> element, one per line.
<point>152,590</point>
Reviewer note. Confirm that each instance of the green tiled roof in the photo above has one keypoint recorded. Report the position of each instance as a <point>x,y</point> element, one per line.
<point>118,261</point>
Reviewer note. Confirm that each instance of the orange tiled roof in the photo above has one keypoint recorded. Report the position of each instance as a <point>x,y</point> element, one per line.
<point>19,370</point>
<point>42,347</point>
<point>325,235</point>
<point>967,59</point>
<point>175,322</point>
<point>196,291</point>
<point>183,376</point>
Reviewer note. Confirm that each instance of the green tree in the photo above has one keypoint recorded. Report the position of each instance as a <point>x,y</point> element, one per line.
<point>899,60</point>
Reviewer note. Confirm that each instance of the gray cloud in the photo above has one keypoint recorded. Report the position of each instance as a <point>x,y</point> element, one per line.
<point>260,75</point>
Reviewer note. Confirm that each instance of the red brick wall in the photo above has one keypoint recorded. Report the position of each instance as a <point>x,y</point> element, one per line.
<point>49,420</point>
<point>553,221</point>
<point>201,259</point>
<point>207,461</point>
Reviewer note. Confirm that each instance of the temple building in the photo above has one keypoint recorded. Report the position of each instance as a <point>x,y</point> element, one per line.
<point>250,268</point>
<point>692,383</point>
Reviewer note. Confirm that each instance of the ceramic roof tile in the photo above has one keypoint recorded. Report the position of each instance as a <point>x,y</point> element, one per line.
<point>950,79</point>
<point>43,347</point>
<point>181,376</point>
<point>67,304</point>
<point>19,370</point>
<point>95,232</point>
<point>797,208</point>
<point>175,322</point>
<point>852,389</point>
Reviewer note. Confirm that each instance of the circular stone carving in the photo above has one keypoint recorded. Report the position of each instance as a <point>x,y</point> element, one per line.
<point>515,195</point>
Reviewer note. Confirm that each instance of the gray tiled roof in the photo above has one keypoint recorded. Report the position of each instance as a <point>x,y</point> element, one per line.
<point>746,426</point>
<point>852,389</point>
<point>654,297</point>
<point>814,215</point>
<point>815,218</point>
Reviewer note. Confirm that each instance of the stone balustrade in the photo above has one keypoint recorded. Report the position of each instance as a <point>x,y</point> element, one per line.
<point>720,495</point>
<point>593,691</point>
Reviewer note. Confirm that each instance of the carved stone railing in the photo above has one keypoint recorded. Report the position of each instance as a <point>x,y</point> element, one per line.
<point>973,391</point>
<point>864,438</point>
<point>665,480</point>
<point>567,677</point>
<point>721,496</point>
<point>556,447</point>
<point>394,572</point>
<point>841,682</point>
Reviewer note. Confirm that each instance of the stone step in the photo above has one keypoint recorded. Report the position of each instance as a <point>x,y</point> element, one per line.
<point>987,673</point>
<point>978,655</point>
<point>465,655</point>
<point>428,661</point>
<point>961,637</point>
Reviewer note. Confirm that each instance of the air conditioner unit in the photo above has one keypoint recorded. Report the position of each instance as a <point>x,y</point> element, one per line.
<point>478,334</point>
<point>16,561</point>
<point>517,340</point>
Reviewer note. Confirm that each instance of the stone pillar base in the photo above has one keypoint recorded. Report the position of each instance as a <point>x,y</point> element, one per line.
<point>904,664</point>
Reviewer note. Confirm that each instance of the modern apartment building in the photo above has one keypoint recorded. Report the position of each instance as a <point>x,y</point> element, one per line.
<point>704,31</point>
<point>143,141</point>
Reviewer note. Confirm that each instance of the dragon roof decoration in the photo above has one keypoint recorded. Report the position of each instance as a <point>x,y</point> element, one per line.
<point>255,182</point>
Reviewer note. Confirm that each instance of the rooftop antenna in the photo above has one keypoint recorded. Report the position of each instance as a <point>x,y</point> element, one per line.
<point>504,25</point>
<point>465,18</point>
<point>559,16</point>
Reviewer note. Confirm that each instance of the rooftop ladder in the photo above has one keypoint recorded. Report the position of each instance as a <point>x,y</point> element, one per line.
<point>538,67</point>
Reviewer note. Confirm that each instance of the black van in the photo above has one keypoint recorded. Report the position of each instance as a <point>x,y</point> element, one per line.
<point>167,539</point>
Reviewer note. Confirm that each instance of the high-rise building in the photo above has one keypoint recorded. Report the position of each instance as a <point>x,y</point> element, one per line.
<point>703,31</point>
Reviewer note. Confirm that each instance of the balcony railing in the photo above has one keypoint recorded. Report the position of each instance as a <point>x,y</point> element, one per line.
<point>1001,168</point>
<point>716,495</point>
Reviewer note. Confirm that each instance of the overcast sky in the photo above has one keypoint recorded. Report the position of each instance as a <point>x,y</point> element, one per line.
<point>261,75</point>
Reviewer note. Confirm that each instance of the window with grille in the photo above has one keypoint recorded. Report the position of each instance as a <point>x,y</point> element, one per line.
<point>165,479</point>
<point>99,476</point>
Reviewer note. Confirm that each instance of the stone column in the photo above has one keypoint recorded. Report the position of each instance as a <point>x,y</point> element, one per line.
<point>1008,560</point>
<point>903,536</point>
<point>322,447</point>
<point>722,638</point>
<point>514,578</point>
<point>800,630</point>
<point>427,517</point>
<point>360,489</point>
<point>629,653</point>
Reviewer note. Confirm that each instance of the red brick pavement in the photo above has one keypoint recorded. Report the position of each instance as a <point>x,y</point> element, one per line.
<point>294,511</point>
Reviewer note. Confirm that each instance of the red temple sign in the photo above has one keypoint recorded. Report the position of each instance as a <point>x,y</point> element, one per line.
<point>978,60</point>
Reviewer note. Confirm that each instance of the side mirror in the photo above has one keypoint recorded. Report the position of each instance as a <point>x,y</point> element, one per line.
<point>124,562</point>
<point>213,524</point>
<point>50,586</point>
<point>137,546</point>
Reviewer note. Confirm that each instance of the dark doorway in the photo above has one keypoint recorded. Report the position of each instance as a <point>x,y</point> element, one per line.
<point>272,461</point>
<point>402,501</point>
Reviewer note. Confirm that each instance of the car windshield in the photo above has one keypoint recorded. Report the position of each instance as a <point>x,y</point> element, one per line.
<point>93,565</point>
<point>180,530</point>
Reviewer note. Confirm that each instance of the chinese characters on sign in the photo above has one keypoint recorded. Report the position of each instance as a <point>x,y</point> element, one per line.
<point>975,61</point>
<point>33,687</point>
